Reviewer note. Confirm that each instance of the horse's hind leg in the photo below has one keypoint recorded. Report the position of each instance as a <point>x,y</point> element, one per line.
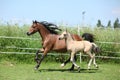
<point>63,64</point>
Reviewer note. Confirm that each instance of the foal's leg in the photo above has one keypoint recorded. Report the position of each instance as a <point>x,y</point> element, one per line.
<point>91,56</point>
<point>89,64</point>
<point>94,62</point>
<point>73,61</point>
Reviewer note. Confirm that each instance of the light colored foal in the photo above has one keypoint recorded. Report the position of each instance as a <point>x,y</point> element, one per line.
<point>77,46</point>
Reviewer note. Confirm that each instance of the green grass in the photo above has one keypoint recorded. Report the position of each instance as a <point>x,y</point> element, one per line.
<point>52,71</point>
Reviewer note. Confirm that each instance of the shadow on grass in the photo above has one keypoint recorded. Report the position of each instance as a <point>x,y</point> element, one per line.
<point>67,70</point>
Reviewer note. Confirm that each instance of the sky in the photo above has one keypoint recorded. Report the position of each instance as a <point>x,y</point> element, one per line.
<point>68,12</point>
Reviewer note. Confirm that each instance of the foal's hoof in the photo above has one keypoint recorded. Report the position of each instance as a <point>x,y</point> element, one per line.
<point>88,67</point>
<point>97,67</point>
<point>62,65</point>
<point>78,69</point>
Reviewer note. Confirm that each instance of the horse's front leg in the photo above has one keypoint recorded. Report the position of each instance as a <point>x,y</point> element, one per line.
<point>41,59</point>
<point>36,56</point>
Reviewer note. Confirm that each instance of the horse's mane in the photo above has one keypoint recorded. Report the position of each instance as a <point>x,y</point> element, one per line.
<point>50,26</point>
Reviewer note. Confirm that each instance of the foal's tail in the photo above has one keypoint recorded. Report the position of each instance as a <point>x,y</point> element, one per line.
<point>95,48</point>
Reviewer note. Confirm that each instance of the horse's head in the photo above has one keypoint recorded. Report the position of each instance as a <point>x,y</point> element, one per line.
<point>33,29</point>
<point>63,35</point>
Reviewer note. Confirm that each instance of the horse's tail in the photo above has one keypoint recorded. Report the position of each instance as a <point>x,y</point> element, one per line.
<point>88,37</point>
<point>95,48</point>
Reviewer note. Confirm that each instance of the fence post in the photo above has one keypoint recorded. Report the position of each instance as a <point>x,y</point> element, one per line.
<point>80,58</point>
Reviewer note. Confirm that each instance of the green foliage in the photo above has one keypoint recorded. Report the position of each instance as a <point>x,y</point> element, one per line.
<point>100,34</point>
<point>116,23</point>
<point>99,24</point>
<point>16,31</point>
<point>109,24</point>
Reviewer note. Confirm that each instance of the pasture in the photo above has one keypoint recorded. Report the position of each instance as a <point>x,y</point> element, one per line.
<point>52,71</point>
<point>21,66</point>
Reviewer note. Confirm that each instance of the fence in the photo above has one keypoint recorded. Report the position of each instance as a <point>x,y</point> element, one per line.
<point>10,47</point>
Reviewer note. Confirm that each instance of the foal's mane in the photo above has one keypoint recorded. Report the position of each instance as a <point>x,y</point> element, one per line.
<point>70,35</point>
<point>50,27</point>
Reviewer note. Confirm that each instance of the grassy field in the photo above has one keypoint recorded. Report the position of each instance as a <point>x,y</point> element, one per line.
<point>53,71</point>
<point>20,67</point>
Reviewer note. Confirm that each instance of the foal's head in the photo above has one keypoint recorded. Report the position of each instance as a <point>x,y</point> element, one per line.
<point>33,29</point>
<point>64,35</point>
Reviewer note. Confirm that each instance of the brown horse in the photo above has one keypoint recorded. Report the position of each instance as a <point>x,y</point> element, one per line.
<point>50,40</point>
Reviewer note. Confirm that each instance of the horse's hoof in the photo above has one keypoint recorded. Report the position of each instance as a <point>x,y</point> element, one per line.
<point>36,59</point>
<point>36,68</point>
<point>62,65</point>
<point>71,69</point>
<point>78,69</point>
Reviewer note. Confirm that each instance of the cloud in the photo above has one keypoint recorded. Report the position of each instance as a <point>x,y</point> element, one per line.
<point>116,12</point>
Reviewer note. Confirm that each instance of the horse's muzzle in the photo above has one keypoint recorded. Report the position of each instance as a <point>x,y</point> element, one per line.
<point>28,33</point>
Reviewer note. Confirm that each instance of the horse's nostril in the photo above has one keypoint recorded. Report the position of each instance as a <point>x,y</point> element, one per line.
<point>28,33</point>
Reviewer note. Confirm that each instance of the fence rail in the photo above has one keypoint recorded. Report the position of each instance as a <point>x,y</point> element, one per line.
<point>6,37</point>
<point>11,47</point>
<point>58,54</point>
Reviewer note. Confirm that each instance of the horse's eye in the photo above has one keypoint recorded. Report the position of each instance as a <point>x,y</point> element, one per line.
<point>33,27</point>
<point>65,35</point>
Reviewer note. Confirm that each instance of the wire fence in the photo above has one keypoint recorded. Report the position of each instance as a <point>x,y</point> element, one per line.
<point>23,38</point>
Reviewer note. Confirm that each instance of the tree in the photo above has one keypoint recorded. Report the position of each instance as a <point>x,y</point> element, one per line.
<point>109,24</point>
<point>99,24</point>
<point>116,23</point>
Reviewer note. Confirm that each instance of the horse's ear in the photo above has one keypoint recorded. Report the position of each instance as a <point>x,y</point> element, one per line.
<point>35,21</point>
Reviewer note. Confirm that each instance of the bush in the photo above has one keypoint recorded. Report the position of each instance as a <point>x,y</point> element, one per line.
<point>101,34</point>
